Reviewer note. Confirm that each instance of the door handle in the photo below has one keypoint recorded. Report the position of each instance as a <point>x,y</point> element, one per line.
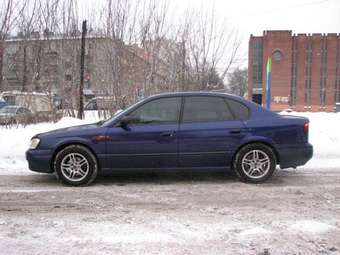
<point>167,134</point>
<point>235,131</point>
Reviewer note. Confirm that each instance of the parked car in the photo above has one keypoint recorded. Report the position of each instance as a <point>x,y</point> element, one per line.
<point>177,130</point>
<point>35,101</point>
<point>3,103</point>
<point>42,105</point>
<point>100,103</point>
<point>12,114</point>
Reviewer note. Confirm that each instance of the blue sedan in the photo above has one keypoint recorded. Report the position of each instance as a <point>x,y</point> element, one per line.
<point>177,130</point>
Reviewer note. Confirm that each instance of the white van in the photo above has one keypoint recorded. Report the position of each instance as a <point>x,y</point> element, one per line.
<point>36,102</point>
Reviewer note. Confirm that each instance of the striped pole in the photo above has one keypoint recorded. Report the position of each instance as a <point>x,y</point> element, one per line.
<point>269,83</point>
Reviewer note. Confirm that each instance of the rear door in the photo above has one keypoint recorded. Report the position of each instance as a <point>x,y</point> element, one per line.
<point>208,133</point>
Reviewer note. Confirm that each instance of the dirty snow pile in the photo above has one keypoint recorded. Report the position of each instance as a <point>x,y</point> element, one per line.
<point>324,134</point>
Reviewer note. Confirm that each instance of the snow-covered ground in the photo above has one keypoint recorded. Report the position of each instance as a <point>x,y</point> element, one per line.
<point>189,212</point>
<point>324,135</point>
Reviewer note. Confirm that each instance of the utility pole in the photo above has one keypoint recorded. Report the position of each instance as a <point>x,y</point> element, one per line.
<point>183,66</point>
<point>82,69</point>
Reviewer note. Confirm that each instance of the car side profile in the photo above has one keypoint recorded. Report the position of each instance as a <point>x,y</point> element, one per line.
<point>12,114</point>
<point>177,130</point>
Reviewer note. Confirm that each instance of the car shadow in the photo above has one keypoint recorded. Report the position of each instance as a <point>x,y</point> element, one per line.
<point>164,177</point>
<point>189,176</point>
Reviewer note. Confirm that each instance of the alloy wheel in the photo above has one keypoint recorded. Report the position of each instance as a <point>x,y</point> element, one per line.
<point>255,164</point>
<point>74,167</point>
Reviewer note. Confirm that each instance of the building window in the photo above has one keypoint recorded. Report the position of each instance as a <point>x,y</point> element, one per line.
<point>293,90</point>
<point>257,63</point>
<point>323,72</point>
<point>308,74</point>
<point>277,55</point>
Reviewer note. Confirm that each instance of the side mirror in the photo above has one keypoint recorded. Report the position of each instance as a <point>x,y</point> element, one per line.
<point>126,120</point>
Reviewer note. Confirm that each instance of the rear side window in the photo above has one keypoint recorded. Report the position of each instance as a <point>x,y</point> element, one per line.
<point>240,111</point>
<point>205,109</point>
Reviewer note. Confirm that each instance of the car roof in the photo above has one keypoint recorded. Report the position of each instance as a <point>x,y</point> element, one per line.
<point>194,93</point>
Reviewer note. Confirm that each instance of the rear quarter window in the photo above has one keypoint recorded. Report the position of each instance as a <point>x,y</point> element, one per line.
<point>240,111</point>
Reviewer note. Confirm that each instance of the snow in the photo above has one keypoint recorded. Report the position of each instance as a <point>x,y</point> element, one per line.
<point>323,134</point>
<point>311,226</point>
<point>255,231</point>
<point>15,141</point>
<point>122,233</point>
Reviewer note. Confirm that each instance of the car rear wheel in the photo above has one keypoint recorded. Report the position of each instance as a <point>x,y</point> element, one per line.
<point>255,163</point>
<point>76,165</point>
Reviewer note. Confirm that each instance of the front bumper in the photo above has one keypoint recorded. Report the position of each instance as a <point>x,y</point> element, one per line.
<point>39,160</point>
<point>294,156</point>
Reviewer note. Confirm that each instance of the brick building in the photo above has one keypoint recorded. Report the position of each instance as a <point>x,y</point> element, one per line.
<point>305,70</point>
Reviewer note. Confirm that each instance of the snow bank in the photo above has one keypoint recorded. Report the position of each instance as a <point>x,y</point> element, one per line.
<point>324,135</point>
<point>15,141</point>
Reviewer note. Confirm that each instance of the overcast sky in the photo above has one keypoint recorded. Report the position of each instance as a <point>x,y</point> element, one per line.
<point>254,16</point>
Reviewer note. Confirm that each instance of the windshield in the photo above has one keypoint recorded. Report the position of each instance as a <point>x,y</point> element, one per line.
<point>8,110</point>
<point>117,113</point>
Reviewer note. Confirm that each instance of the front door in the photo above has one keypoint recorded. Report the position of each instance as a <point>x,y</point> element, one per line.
<point>208,132</point>
<point>149,142</point>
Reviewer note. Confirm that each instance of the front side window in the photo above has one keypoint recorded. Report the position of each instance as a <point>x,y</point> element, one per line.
<point>205,109</point>
<point>159,111</point>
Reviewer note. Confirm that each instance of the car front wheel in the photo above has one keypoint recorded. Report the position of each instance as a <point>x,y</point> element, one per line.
<point>255,163</point>
<point>76,165</point>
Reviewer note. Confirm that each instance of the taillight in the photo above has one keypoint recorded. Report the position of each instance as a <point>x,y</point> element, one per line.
<point>306,127</point>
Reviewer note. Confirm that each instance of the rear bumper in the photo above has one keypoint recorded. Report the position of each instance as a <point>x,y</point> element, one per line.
<point>39,160</point>
<point>294,156</point>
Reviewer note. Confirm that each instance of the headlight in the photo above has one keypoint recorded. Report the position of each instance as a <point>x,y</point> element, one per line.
<point>34,143</point>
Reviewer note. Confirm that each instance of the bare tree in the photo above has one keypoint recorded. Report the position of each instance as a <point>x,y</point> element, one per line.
<point>211,46</point>
<point>69,54</point>
<point>137,48</point>
<point>27,22</point>
<point>9,11</point>
<point>237,81</point>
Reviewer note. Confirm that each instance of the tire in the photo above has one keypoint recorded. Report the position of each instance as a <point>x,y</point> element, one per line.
<point>255,163</point>
<point>83,172</point>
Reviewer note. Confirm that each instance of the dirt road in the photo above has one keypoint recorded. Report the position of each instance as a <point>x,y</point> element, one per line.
<point>296,212</point>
